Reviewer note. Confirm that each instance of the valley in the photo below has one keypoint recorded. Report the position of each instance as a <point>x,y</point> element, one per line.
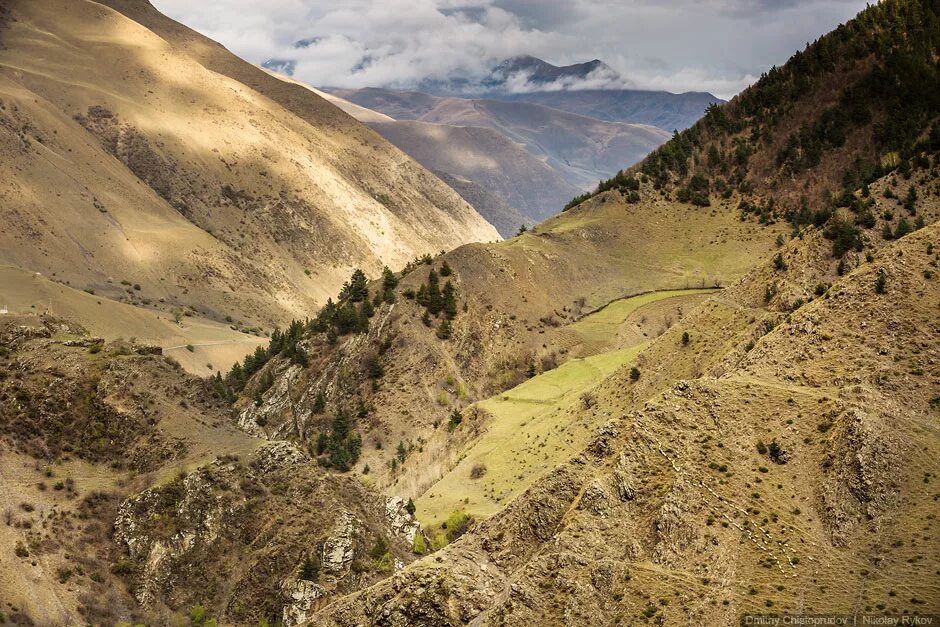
<point>261,363</point>
<point>529,429</point>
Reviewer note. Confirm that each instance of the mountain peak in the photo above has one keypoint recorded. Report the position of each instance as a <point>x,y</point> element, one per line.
<point>539,72</point>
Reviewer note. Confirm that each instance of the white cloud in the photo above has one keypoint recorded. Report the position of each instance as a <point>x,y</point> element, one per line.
<point>702,45</point>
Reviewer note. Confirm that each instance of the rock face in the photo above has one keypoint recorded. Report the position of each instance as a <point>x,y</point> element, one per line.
<point>400,520</point>
<point>233,536</point>
<point>277,402</point>
<point>163,528</point>
<point>338,547</point>
<point>301,596</point>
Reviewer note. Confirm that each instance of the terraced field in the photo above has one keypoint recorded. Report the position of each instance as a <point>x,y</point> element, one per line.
<point>532,428</point>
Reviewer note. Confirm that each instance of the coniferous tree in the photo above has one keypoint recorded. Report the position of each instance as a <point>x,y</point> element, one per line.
<point>319,403</point>
<point>389,280</point>
<point>435,298</point>
<point>450,300</point>
<point>356,289</point>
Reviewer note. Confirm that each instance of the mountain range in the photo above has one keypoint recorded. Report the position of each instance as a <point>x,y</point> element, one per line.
<point>579,121</point>
<point>532,158</point>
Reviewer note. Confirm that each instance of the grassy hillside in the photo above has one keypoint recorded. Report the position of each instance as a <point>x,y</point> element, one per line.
<point>772,481</point>
<point>136,150</point>
<point>201,346</point>
<point>529,429</point>
<point>515,310</point>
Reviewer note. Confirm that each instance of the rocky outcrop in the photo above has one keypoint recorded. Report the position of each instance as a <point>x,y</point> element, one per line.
<point>338,547</point>
<point>400,520</point>
<point>302,596</point>
<point>862,473</point>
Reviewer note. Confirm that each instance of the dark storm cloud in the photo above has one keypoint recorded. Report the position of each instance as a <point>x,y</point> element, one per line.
<point>705,45</point>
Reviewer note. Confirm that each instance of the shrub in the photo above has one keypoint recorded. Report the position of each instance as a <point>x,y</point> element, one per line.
<point>419,546</point>
<point>685,338</point>
<point>881,283</point>
<point>777,454</point>
<point>634,373</point>
<point>455,419</point>
<point>457,524</point>
<point>309,569</point>
<point>779,263</point>
<point>477,471</point>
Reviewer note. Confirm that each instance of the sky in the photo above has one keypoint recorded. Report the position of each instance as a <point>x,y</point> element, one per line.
<point>719,46</point>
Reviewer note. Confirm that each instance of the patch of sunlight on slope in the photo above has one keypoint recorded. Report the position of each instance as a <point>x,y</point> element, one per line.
<point>600,327</point>
<point>532,430</point>
<point>536,425</point>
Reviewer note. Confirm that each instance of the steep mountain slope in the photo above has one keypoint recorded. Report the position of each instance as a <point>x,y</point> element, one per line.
<point>131,497</point>
<point>855,104</point>
<point>527,185</point>
<point>580,148</point>
<point>774,485</point>
<point>137,150</point>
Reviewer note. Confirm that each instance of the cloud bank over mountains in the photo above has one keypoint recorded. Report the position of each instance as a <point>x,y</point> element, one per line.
<point>719,46</point>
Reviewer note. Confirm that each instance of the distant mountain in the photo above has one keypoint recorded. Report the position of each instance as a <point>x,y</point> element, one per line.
<point>581,149</point>
<point>666,110</point>
<point>542,73</point>
<point>503,181</point>
<point>593,89</point>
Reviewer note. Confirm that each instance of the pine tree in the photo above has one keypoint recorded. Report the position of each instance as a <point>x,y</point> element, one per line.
<point>389,280</point>
<point>319,403</point>
<point>446,269</point>
<point>435,298</point>
<point>356,289</point>
<point>450,301</point>
<point>445,330</point>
